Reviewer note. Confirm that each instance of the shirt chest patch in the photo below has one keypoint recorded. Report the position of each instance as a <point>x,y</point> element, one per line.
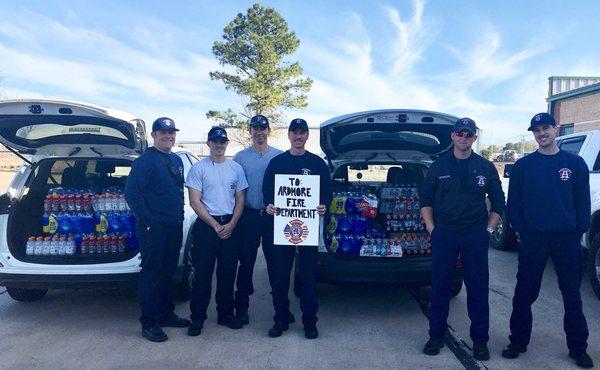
<point>306,171</point>
<point>564,174</point>
<point>480,180</point>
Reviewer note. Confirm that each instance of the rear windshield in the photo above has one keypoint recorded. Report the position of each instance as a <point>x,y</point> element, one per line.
<point>86,173</point>
<point>48,130</point>
<point>380,173</point>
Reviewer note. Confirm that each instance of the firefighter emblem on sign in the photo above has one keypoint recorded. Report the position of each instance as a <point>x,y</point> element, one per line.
<point>295,231</point>
<point>565,174</point>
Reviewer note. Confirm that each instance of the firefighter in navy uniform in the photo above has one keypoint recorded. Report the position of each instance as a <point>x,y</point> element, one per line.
<point>549,208</point>
<point>154,192</point>
<point>296,161</point>
<point>454,209</point>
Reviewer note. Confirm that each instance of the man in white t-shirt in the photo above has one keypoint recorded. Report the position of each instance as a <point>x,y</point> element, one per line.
<point>216,188</point>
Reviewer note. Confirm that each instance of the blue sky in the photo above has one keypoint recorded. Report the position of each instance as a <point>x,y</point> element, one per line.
<point>489,60</point>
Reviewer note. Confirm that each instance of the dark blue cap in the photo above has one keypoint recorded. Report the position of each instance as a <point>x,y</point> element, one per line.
<point>541,119</point>
<point>465,123</point>
<point>298,123</point>
<point>216,133</point>
<point>164,124</point>
<point>259,120</point>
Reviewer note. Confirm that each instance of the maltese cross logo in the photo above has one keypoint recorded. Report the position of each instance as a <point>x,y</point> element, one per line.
<point>565,174</point>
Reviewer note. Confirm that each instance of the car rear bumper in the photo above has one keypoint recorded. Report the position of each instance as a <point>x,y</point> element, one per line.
<point>33,281</point>
<point>408,271</point>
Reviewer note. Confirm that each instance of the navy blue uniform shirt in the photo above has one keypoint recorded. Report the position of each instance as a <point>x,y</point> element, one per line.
<point>550,193</point>
<point>462,207</point>
<point>154,189</point>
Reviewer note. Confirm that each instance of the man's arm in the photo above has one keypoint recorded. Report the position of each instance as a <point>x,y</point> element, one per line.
<point>583,209</point>
<point>514,204</point>
<point>195,195</point>
<point>426,196</point>
<point>268,189</point>
<point>326,190</point>
<point>427,214</point>
<point>135,187</point>
<point>496,197</point>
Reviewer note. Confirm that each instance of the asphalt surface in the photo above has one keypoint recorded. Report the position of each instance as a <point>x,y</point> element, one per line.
<point>359,326</point>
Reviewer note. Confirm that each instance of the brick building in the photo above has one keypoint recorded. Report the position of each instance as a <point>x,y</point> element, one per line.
<point>574,102</point>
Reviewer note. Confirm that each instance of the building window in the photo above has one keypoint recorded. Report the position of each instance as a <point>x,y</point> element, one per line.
<point>567,128</point>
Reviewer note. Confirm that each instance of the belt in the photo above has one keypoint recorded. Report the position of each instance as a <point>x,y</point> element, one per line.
<point>222,218</point>
<point>260,212</point>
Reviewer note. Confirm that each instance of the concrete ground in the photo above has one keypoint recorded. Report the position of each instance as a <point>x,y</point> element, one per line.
<point>360,327</point>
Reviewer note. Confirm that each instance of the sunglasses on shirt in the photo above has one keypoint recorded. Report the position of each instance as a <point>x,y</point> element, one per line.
<point>466,134</point>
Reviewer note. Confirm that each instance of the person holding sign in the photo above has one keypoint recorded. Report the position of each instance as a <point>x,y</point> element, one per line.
<point>216,187</point>
<point>300,168</point>
<point>256,225</point>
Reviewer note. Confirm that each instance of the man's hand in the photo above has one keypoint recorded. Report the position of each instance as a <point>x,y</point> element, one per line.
<point>226,230</point>
<point>430,229</point>
<point>271,209</point>
<point>218,228</point>
<point>321,208</point>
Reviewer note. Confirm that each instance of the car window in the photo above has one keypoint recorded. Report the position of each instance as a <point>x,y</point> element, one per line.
<point>187,164</point>
<point>572,145</point>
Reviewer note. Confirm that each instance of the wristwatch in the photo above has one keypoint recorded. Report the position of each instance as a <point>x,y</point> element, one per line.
<point>490,230</point>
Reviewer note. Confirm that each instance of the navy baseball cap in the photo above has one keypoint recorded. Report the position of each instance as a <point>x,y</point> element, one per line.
<point>164,124</point>
<point>217,133</point>
<point>541,119</point>
<point>298,123</point>
<point>465,124</point>
<point>259,120</point>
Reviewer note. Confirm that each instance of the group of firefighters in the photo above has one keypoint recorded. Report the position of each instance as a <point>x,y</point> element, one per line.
<point>548,207</point>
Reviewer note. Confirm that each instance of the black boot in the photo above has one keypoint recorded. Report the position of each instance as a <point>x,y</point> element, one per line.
<point>480,351</point>
<point>154,334</point>
<point>231,322</point>
<point>278,329</point>
<point>513,350</point>
<point>582,360</point>
<point>433,345</point>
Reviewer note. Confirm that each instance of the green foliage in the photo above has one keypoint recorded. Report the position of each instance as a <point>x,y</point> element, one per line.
<point>253,49</point>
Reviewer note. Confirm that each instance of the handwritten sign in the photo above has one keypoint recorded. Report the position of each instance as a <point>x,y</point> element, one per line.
<point>296,220</point>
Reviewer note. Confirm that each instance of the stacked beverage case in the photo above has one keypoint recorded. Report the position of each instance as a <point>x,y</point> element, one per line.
<point>78,222</point>
<point>362,224</point>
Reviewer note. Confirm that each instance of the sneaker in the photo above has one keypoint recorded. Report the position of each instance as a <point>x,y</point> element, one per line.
<point>513,350</point>
<point>194,329</point>
<point>277,330</point>
<point>154,334</point>
<point>243,317</point>
<point>311,333</point>
<point>231,322</point>
<point>583,360</point>
<point>175,321</point>
<point>481,352</point>
<point>433,345</point>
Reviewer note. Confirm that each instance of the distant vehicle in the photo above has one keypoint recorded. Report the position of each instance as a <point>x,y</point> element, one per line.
<point>507,156</point>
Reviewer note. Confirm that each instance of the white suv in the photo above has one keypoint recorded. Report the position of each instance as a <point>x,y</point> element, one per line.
<point>86,149</point>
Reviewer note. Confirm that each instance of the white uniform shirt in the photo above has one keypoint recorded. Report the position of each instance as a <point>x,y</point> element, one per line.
<point>218,183</point>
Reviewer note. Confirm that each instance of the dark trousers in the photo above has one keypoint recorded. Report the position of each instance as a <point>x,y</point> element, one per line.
<point>534,250</point>
<point>255,225</point>
<point>209,248</point>
<point>159,248</point>
<point>473,249</point>
<point>283,259</point>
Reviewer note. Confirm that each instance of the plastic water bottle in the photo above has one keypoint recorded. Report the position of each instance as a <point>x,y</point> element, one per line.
<point>70,246</point>
<point>62,246</point>
<point>30,246</point>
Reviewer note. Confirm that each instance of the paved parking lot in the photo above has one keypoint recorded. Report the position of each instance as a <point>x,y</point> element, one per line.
<point>360,327</point>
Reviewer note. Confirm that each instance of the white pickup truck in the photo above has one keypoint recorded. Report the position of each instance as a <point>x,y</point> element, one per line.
<point>587,145</point>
